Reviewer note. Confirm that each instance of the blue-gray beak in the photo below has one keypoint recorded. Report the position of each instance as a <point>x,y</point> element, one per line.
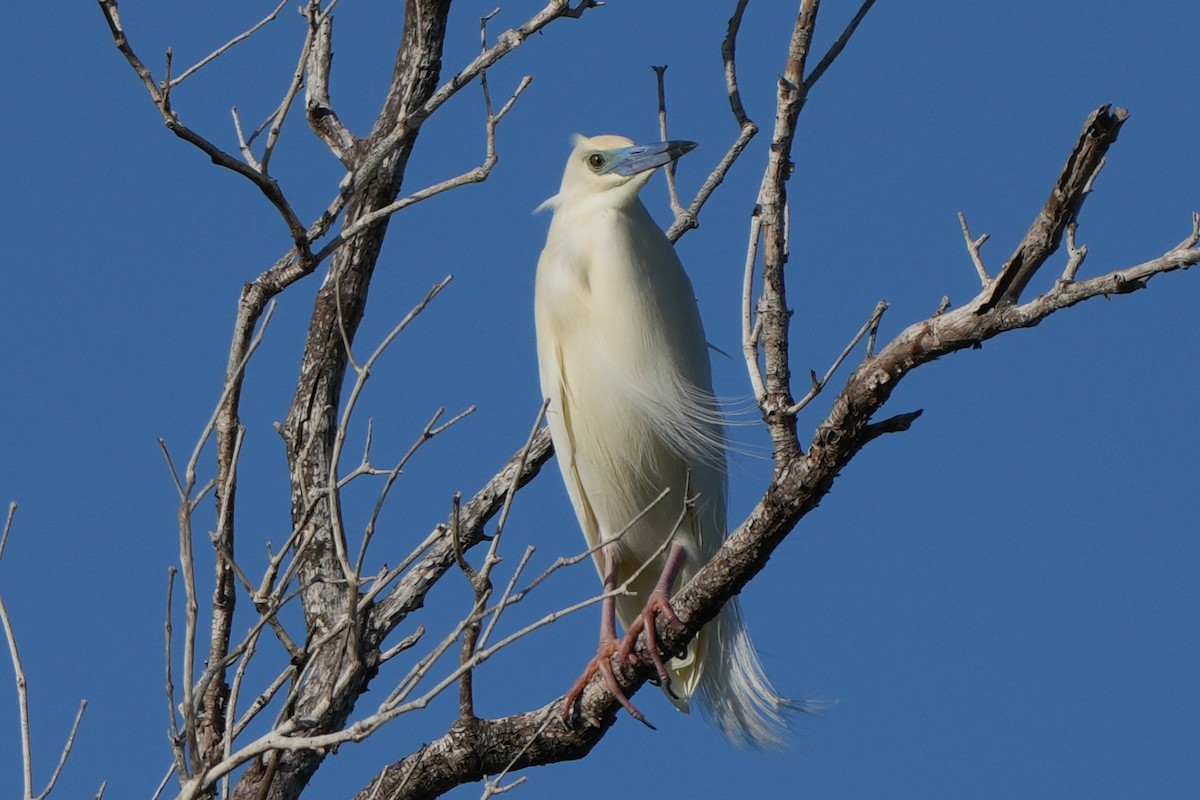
<point>641,157</point>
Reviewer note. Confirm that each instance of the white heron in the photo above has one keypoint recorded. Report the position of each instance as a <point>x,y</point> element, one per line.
<point>624,363</point>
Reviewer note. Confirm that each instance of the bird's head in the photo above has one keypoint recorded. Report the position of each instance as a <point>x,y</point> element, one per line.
<point>613,167</point>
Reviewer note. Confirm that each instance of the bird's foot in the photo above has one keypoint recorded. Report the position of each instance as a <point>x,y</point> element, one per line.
<point>602,663</point>
<point>658,602</point>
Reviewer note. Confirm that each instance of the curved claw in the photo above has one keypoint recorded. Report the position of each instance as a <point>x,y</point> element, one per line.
<point>658,602</point>
<point>603,663</point>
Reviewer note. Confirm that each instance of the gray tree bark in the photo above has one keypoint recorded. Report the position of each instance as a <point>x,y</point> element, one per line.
<point>349,617</point>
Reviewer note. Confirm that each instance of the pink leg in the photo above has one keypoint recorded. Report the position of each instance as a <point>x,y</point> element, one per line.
<point>609,646</point>
<point>659,600</point>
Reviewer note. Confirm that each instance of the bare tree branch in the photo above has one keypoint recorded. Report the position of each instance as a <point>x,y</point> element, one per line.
<point>973,246</point>
<point>241,37</point>
<point>409,593</point>
<point>772,214</point>
<point>1075,255</point>
<point>322,118</point>
<point>688,219</point>
<point>659,73</point>
<point>22,700</point>
<point>161,97</point>
<point>8,521</point>
<point>350,617</point>
<point>751,323</point>
<point>472,749</point>
<point>475,175</point>
<point>1066,198</point>
<point>408,123</point>
<point>871,325</point>
<point>838,46</point>
<point>22,683</point>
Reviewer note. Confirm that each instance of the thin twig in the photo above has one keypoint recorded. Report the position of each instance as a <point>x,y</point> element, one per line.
<point>1194,237</point>
<point>511,493</point>
<point>263,700</point>
<point>1075,255</point>
<point>289,96</point>
<point>8,521</point>
<point>161,98</point>
<point>506,598</point>
<point>187,73</point>
<point>476,175</point>
<point>173,720</point>
<point>746,131</point>
<point>509,496</point>
<point>404,644</point>
<point>751,323</point>
<point>22,700</point>
<point>481,582</point>
<point>482,588</point>
<point>567,561</point>
<point>973,246</point>
<point>23,712</point>
<point>66,753</point>
<point>243,143</point>
<point>483,84</point>
<point>226,392</point>
<point>817,385</point>
<point>838,46</point>
<point>430,430</point>
<point>491,783</point>
<point>729,60</point>
<point>162,784</point>
<point>493,787</point>
<point>659,72</point>
<point>363,373</point>
<point>232,701</point>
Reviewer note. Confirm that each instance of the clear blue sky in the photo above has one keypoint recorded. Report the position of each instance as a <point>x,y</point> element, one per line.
<point>1001,602</point>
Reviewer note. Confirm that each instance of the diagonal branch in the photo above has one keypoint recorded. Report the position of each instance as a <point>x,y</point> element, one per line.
<point>8,521</point>
<point>406,125</point>
<point>215,54</point>
<point>1061,208</point>
<point>687,219</point>
<point>870,326</point>
<point>838,46</point>
<point>161,98</point>
<point>475,748</point>
<point>409,593</point>
<point>477,174</point>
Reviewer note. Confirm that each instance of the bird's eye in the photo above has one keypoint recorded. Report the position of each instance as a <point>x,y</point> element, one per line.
<point>595,160</point>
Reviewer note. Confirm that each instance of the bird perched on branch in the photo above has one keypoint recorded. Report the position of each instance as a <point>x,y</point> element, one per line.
<point>624,363</point>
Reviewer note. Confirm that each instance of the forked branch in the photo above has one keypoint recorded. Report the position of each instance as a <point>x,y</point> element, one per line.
<point>1061,208</point>
<point>22,682</point>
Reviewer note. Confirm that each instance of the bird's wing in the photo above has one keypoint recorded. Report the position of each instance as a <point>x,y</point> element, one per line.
<point>575,484</point>
<point>558,415</point>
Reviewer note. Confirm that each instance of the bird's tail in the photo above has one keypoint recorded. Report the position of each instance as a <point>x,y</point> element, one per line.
<point>734,691</point>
